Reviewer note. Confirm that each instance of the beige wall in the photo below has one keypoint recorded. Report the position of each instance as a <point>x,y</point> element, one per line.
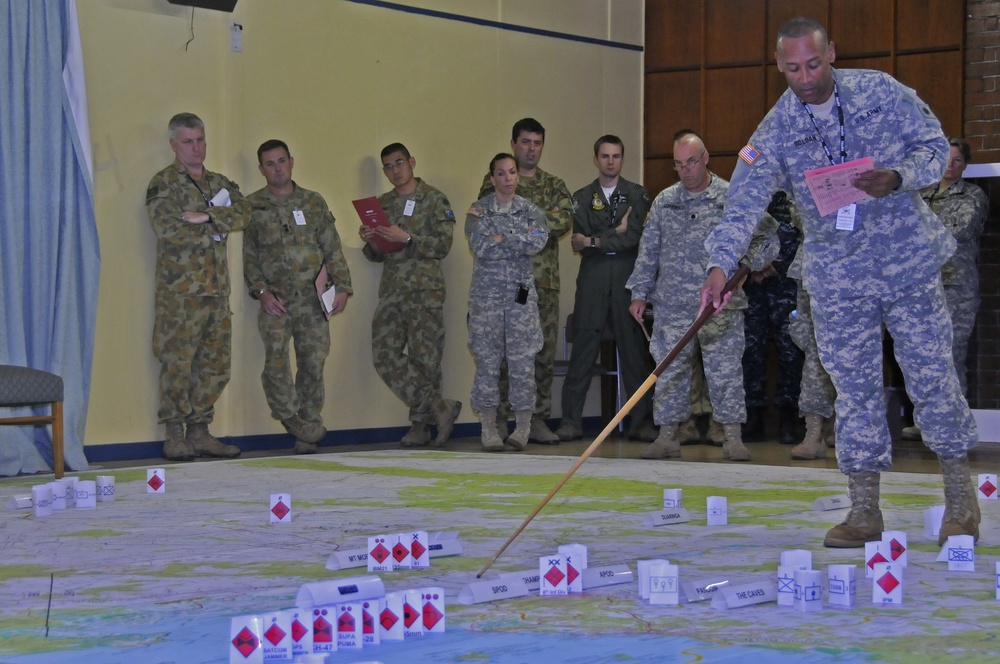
<point>337,81</point>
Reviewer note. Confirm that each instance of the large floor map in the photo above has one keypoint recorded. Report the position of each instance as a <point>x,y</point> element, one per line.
<point>156,578</point>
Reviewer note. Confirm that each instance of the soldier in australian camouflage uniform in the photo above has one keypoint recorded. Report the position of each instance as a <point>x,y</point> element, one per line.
<point>411,294</point>
<point>874,263</point>
<point>669,272</point>
<point>550,194</point>
<point>770,299</point>
<point>189,208</point>
<point>504,231</point>
<point>607,224</point>
<point>290,239</point>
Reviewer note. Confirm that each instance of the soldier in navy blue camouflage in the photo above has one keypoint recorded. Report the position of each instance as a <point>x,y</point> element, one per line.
<point>872,263</point>
<point>961,206</point>
<point>669,272</point>
<point>289,242</point>
<point>408,325</point>
<point>192,210</point>
<point>550,194</point>
<point>770,299</point>
<point>504,232</point>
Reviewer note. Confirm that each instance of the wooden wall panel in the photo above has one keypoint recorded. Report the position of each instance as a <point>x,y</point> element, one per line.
<point>674,33</point>
<point>782,11</point>
<point>926,24</point>
<point>881,63</point>
<point>658,175</point>
<point>860,27</point>
<point>733,29</point>
<point>673,101</point>
<point>937,78</point>
<point>735,102</point>
<point>723,165</point>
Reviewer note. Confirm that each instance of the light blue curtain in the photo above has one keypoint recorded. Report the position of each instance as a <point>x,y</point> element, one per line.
<point>49,251</point>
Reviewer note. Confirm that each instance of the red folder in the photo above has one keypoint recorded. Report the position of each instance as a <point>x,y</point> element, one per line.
<point>372,215</point>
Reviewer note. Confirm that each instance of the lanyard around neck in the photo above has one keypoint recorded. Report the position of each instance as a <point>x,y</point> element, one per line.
<point>840,119</point>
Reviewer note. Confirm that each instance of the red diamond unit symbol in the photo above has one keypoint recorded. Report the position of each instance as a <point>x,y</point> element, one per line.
<point>274,634</point>
<point>387,619</point>
<point>987,488</point>
<point>379,553</point>
<point>410,615</point>
<point>298,631</point>
<point>888,582</point>
<point>554,576</point>
<point>417,549</point>
<point>245,642</point>
<point>155,482</point>
<point>571,573</point>
<point>877,558</point>
<point>367,622</point>
<point>345,623</point>
<point>399,551</point>
<point>431,615</point>
<point>322,631</point>
<point>896,549</point>
<point>280,510</point>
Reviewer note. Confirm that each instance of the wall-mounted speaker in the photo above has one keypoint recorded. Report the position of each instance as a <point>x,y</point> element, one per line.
<point>220,5</point>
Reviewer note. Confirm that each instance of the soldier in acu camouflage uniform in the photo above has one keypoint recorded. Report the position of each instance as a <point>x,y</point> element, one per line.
<point>192,211</point>
<point>607,224</point>
<point>669,272</point>
<point>411,294</point>
<point>961,207</point>
<point>504,231</point>
<point>289,241</point>
<point>874,263</point>
<point>550,194</point>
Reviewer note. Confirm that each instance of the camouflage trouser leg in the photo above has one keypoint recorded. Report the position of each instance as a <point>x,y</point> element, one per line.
<point>721,340</point>
<point>548,314</point>
<point>849,335</point>
<point>414,323</point>
<point>701,404</point>
<point>192,339</point>
<point>499,330</point>
<point>309,331</point>
<point>816,393</point>
<point>963,304</point>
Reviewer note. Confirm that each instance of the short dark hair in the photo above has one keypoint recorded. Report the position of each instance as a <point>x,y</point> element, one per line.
<point>687,132</point>
<point>185,120</point>
<point>608,138</point>
<point>500,157</point>
<point>527,125</point>
<point>963,146</point>
<point>394,147</point>
<point>802,26</point>
<point>269,145</point>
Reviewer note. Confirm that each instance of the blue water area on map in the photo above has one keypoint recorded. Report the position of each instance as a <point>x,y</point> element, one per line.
<point>210,646</point>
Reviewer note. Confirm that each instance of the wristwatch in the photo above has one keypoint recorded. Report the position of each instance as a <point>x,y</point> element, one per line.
<point>593,242</point>
<point>256,293</point>
<point>409,240</point>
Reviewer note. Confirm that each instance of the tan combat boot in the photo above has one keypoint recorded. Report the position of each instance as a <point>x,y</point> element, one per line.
<point>812,447</point>
<point>445,413</point>
<point>666,445</point>
<point>540,432</point>
<point>309,432</point>
<point>205,444</point>
<point>830,431</point>
<point>734,449</point>
<point>418,435</point>
<point>522,430</point>
<point>175,447</point>
<point>716,435</point>
<point>492,442</point>
<point>864,521</point>
<point>961,506</point>
<point>688,433</point>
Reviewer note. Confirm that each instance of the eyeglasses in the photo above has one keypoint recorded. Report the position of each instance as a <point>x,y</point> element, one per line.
<point>393,165</point>
<point>689,164</point>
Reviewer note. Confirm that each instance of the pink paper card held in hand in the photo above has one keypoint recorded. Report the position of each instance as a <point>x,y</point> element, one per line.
<point>831,186</point>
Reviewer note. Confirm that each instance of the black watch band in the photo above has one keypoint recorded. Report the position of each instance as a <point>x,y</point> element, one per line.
<point>256,293</point>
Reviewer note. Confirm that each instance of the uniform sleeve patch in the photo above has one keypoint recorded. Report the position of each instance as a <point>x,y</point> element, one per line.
<point>749,154</point>
<point>475,210</point>
<point>448,214</point>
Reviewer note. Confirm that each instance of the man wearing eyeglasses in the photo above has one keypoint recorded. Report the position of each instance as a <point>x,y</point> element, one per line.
<point>608,215</point>
<point>408,326</point>
<point>869,265</point>
<point>669,272</point>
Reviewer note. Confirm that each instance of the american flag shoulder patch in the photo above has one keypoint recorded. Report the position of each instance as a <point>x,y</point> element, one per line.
<point>749,154</point>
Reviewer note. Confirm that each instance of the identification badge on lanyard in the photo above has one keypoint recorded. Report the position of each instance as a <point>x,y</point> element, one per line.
<point>409,207</point>
<point>300,218</point>
<point>845,217</point>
